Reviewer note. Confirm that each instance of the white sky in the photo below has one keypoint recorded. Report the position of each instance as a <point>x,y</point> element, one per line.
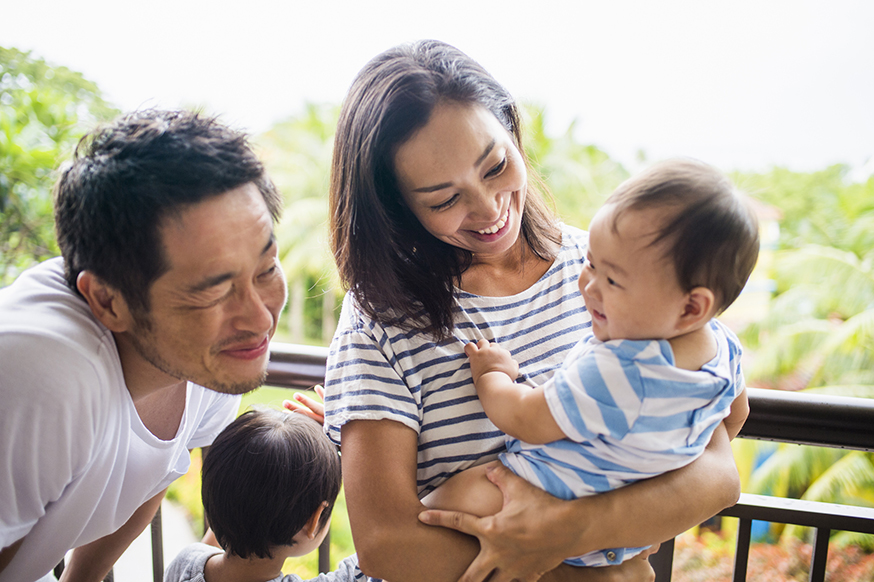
<point>742,84</point>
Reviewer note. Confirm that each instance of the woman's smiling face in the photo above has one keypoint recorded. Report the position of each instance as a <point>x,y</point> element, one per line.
<point>463,177</point>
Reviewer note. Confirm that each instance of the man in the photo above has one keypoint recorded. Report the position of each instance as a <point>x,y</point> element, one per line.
<point>122,356</point>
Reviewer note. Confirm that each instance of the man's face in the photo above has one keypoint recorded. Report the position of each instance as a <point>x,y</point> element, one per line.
<point>214,311</point>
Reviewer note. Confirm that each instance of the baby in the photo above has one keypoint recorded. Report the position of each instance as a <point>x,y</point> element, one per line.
<point>644,389</point>
<point>270,480</point>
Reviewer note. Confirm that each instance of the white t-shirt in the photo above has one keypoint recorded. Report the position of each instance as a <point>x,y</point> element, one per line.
<point>75,459</point>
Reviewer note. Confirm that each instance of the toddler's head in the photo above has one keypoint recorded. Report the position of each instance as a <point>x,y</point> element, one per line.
<point>270,479</point>
<point>671,247</point>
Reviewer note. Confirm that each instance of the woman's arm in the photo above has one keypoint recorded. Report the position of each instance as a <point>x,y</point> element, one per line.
<point>379,478</point>
<point>534,531</point>
<point>379,475</point>
<point>740,410</point>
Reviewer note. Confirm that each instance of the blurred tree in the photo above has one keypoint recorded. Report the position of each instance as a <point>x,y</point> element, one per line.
<point>43,111</point>
<point>297,153</point>
<point>819,330</point>
<point>579,177</point>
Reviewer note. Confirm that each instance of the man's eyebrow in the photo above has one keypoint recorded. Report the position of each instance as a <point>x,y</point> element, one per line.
<point>270,243</point>
<point>210,282</point>
<point>221,278</point>
<point>427,189</point>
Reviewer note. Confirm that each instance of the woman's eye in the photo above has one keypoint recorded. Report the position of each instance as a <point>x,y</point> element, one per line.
<point>446,204</point>
<point>497,169</point>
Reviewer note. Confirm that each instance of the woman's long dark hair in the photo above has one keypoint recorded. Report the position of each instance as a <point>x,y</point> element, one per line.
<point>399,273</point>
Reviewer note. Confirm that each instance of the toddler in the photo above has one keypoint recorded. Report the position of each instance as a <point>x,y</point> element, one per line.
<point>270,480</point>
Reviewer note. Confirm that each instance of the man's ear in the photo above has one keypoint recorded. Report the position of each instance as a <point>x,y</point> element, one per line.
<point>106,302</point>
<point>697,309</point>
<point>311,529</point>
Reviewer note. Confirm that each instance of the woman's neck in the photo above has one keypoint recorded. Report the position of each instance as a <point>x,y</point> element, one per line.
<point>506,274</point>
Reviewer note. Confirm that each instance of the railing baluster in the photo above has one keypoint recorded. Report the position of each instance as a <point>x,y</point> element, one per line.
<point>820,554</point>
<point>663,561</point>
<point>157,547</point>
<point>325,554</point>
<point>742,553</point>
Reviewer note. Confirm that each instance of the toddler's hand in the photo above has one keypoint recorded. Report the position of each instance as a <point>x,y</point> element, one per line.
<point>488,357</point>
<point>308,406</point>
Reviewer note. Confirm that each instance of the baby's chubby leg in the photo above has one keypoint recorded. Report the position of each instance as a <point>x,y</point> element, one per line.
<point>469,491</point>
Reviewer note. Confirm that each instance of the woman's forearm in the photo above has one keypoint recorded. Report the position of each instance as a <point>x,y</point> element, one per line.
<point>379,474</point>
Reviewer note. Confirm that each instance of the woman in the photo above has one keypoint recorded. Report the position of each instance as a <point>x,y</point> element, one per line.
<point>443,239</point>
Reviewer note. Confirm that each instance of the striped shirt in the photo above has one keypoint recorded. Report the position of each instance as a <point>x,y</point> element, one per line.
<point>378,372</point>
<point>628,414</point>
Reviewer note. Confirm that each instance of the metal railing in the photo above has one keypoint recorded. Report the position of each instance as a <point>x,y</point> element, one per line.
<point>774,415</point>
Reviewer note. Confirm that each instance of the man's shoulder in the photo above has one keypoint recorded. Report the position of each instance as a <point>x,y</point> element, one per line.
<point>40,308</point>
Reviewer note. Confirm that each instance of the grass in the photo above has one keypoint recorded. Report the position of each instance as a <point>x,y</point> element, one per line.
<point>185,491</point>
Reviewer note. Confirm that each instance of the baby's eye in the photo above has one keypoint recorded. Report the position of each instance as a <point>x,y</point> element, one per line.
<point>612,282</point>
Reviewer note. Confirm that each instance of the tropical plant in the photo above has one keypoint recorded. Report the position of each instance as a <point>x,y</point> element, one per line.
<point>44,109</point>
<point>818,334</point>
<point>579,177</point>
<point>297,153</point>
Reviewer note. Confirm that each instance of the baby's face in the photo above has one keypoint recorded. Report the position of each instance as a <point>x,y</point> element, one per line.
<point>630,289</point>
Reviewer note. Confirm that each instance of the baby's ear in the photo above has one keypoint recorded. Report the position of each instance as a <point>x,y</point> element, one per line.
<point>698,309</point>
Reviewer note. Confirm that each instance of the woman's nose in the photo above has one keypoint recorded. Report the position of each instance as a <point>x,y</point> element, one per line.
<point>487,205</point>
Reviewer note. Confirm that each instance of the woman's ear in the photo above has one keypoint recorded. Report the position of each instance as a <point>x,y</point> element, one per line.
<point>312,527</point>
<point>698,308</point>
<point>106,302</point>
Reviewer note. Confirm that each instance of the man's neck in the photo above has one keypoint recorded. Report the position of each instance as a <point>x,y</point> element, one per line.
<point>158,397</point>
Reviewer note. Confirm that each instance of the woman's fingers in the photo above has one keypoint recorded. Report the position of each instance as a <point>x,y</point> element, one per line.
<point>457,520</point>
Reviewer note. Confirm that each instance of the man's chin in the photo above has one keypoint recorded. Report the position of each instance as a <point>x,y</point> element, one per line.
<point>237,387</point>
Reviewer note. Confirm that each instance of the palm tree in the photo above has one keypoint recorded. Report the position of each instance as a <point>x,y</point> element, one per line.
<point>297,153</point>
<point>579,177</point>
<point>818,335</point>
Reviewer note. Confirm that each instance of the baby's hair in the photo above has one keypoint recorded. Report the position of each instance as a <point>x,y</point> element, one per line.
<point>712,236</point>
<point>264,476</point>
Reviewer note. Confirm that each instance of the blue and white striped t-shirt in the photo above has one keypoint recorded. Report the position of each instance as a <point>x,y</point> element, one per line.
<point>378,372</point>
<point>628,414</point>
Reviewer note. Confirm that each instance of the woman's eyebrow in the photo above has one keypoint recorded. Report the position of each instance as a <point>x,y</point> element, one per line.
<point>486,152</point>
<point>479,160</point>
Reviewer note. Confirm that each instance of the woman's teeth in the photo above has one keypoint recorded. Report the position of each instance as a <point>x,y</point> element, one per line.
<point>497,226</point>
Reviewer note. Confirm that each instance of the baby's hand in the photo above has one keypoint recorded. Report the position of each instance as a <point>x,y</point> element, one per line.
<point>486,357</point>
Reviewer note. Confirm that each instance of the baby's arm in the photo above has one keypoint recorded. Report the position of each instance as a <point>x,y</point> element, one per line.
<point>516,409</point>
<point>740,409</point>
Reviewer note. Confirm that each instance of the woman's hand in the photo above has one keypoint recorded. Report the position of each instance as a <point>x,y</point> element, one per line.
<point>517,543</point>
<point>303,404</point>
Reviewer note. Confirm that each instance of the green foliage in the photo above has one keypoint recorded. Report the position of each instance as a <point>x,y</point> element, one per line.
<point>43,112</point>
<point>819,208</point>
<point>297,153</point>
<point>579,177</point>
